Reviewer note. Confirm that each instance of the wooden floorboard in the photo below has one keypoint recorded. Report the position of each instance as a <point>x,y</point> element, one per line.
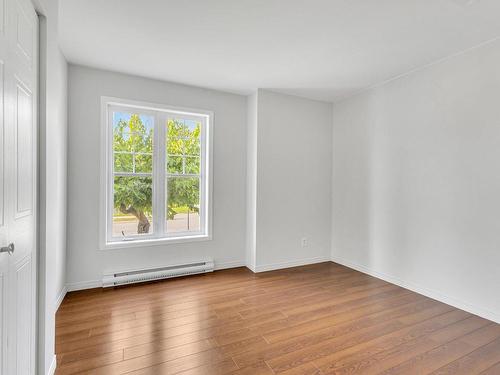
<point>317,319</point>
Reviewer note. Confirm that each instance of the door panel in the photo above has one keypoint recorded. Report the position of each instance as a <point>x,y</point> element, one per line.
<point>23,315</point>
<point>24,151</point>
<point>24,33</point>
<point>3,338</point>
<point>18,135</point>
<point>2,16</point>
<point>4,261</point>
<point>2,154</point>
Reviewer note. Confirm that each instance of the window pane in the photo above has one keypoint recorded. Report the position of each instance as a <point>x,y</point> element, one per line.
<point>124,162</point>
<point>133,206</point>
<point>174,164</point>
<point>183,204</point>
<point>143,163</point>
<point>183,146</point>
<point>133,136</point>
<point>185,129</point>
<point>192,145</point>
<point>192,165</point>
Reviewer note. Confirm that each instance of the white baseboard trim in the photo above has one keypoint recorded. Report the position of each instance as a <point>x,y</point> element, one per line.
<point>292,263</point>
<point>434,294</point>
<point>226,265</point>
<point>60,298</point>
<point>72,287</point>
<point>81,285</point>
<point>53,365</point>
<point>251,267</point>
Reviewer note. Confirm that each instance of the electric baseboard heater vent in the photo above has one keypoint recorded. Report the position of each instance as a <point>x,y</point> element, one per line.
<point>157,273</point>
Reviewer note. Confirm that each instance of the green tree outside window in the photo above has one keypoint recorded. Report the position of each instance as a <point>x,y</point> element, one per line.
<point>133,154</point>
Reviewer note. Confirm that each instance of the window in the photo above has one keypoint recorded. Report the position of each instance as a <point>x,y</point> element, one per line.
<point>156,174</point>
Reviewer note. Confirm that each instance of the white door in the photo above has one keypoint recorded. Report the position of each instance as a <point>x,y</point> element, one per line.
<point>18,182</point>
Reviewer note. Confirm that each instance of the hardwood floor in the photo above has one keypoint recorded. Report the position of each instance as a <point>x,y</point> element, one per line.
<point>317,319</point>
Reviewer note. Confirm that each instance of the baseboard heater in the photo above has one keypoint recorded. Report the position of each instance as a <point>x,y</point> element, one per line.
<point>148,274</point>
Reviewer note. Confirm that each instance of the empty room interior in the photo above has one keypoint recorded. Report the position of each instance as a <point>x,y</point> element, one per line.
<point>250,187</point>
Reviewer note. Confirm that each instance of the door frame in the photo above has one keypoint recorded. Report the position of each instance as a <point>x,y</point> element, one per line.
<point>40,345</point>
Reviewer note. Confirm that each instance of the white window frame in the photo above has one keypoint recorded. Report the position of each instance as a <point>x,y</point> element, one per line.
<point>160,113</point>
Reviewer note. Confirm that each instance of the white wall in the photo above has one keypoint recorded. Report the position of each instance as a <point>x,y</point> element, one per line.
<point>52,182</point>
<point>85,262</point>
<point>292,180</point>
<point>416,182</point>
<point>251,182</point>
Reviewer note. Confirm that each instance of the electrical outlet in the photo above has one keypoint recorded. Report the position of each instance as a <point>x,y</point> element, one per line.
<point>304,242</point>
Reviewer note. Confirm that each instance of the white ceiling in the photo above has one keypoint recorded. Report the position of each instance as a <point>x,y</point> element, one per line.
<point>323,49</point>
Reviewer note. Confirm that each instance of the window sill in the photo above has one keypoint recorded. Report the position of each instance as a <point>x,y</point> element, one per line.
<point>154,242</point>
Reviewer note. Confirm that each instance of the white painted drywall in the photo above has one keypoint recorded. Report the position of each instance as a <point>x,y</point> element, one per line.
<point>85,262</point>
<point>251,183</point>
<point>52,181</point>
<point>292,180</point>
<point>416,182</point>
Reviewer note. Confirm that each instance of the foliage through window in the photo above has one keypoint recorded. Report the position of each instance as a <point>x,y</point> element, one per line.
<point>158,169</point>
